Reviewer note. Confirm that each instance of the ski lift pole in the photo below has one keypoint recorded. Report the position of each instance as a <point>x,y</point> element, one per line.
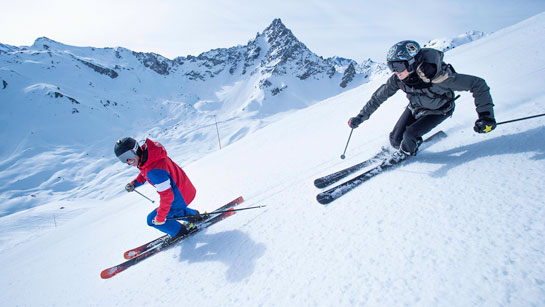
<point>217,131</point>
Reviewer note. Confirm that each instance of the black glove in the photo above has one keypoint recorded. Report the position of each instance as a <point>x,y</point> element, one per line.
<point>485,123</point>
<point>129,187</point>
<point>354,122</point>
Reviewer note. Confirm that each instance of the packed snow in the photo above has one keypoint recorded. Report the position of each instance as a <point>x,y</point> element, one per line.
<point>460,224</point>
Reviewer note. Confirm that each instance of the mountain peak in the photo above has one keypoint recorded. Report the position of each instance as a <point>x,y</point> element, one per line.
<point>277,24</point>
<point>45,40</point>
<point>277,30</point>
<point>45,43</point>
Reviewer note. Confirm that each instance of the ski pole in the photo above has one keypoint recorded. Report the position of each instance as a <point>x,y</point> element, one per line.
<point>342,156</point>
<point>144,196</point>
<point>518,119</point>
<point>215,212</point>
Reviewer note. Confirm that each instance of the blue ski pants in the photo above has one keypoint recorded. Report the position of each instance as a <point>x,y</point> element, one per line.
<point>171,227</point>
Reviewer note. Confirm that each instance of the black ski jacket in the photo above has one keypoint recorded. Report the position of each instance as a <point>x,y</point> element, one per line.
<point>430,89</point>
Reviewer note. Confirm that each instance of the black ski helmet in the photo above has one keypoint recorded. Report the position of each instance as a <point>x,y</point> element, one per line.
<point>404,52</point>
<point>126,148</point>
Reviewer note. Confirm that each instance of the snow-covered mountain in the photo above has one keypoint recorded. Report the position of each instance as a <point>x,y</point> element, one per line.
<point>7,48</point>
<point>72,103</point>
<point>461,224</point>
<point>70,100</point>
<point>232,81</point>
<point>445,44</point>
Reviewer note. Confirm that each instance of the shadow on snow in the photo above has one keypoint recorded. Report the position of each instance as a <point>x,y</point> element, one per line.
<point>531,141</point>
<point>233,248</point>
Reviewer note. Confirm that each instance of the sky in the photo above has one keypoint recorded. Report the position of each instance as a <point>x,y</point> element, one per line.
<point>346,28</point>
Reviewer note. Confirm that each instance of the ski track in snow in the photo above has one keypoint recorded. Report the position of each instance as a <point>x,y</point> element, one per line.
<point>460,224</point>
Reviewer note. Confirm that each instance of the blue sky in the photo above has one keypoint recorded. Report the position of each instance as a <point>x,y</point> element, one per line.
<point>347,28</point>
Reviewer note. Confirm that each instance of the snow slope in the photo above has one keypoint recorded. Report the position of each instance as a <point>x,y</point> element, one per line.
<point>67,103</point>
<point>462,224</point>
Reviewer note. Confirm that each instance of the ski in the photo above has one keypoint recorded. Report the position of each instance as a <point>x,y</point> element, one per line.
<point>324,181</point>
<point>384,153</point>
<point>165,243</point>
<point>141,249</point>
<point>334,193</point>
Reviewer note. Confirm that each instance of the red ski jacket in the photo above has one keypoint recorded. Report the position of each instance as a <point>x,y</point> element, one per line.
<point>174,187</point>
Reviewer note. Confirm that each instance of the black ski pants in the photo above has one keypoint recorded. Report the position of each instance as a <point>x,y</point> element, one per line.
<point>408,129</point>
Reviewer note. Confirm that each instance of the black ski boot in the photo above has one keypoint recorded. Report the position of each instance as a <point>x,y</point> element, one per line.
<point>193,219</point>
<point>182,232</point>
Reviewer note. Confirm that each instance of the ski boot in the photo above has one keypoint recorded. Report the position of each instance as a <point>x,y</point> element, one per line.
<point>197,218</point>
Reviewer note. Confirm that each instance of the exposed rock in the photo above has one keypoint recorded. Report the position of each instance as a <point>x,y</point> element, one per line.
<point>155,62</point>
<point>348,76</point>
<point>101,70</point>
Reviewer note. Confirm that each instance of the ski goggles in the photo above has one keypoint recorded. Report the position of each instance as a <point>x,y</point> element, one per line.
<point>129,154</point>
<point>398,66</point>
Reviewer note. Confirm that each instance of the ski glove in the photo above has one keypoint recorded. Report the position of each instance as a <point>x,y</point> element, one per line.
<point>485,123</point>
<point>354,122</point>
<point>129,187</point>
<point>157,223</point>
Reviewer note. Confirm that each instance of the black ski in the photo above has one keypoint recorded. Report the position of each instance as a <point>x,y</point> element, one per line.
<point>324,181</point>
<point>327,180</point>
<point>332,194</point>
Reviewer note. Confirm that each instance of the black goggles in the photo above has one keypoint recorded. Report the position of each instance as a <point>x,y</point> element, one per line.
<point>398,66</point>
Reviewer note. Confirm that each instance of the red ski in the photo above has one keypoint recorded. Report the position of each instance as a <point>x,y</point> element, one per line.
<point>149,249</point>
<point>140,249</point>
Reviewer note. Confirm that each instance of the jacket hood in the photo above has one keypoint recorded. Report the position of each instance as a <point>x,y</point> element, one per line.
<point>434,57</point>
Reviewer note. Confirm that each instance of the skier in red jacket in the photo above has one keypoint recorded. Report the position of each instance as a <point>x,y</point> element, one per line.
<point>174,187</point>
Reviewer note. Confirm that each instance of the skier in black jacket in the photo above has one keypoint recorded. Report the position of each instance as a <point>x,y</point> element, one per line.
<point>429,84</point>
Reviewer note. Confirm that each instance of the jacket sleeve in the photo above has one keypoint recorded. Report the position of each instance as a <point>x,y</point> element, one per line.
<point>384,92</point>
<point>161,180</point>
<point>140,180</point>
<point>477,86</point>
